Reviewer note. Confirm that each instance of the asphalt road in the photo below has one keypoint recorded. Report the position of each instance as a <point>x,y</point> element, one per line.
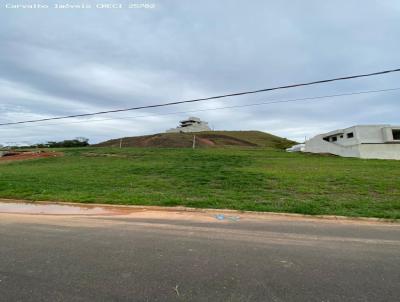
<point>177,256</point>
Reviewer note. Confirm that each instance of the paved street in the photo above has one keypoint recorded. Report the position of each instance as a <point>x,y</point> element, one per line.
<point>185,256</point>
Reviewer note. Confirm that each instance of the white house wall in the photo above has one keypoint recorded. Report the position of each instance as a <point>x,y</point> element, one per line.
<point>318,145</point>
<point>369,141</point>
<point>345,141</point>
<point>370,135</point>
<point>380,151</point>
<point>191,128</point>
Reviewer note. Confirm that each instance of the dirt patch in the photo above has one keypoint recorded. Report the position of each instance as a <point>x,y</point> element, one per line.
<point>11,206</point>
<point>25,155</point>
<point>205,141</point>
<point>93,154</point>
<point>225,140</point>
<point>56,209</point>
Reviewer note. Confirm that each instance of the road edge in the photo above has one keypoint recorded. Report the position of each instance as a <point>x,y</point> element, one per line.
<point>212,211</point>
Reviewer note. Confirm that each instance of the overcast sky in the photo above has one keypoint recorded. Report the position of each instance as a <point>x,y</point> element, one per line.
<point>62,62</point>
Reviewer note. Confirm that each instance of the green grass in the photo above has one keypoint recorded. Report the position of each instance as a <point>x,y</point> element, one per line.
<point>242,179</point>
<point>259,138</point>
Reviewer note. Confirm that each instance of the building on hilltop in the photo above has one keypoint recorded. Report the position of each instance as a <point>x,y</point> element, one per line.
<point>192,124</point>
<point>364,141</point>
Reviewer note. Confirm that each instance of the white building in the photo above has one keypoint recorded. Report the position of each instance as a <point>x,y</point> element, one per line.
<point>192,124</point>
<point>366,141</point>
<point>296,148</point>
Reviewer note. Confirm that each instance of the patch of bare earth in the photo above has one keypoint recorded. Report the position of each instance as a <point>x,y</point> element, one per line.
<point>26,155</point>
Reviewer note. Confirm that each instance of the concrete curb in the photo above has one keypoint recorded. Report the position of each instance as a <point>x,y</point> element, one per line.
<point>213,211</point>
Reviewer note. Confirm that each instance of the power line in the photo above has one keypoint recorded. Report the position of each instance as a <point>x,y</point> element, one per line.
<point>314,98</point>
<point>207,98</point>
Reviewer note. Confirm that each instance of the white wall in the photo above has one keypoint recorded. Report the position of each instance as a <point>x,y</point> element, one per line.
<point>380,151</point>
<point>192,128</point>
<point>318,145</point>
<point>370,134</point>
<point>366,150</point>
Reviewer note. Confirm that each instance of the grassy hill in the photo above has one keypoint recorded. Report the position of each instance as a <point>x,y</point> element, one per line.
<point>203,139</point>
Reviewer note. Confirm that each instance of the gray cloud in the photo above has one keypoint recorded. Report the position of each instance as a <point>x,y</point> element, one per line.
<point>64,62</point>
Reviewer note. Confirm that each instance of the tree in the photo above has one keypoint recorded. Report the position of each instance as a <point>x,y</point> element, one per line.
<point>77,142</point>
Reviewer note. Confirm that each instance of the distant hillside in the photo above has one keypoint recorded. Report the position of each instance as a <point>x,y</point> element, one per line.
<point>203,139</point>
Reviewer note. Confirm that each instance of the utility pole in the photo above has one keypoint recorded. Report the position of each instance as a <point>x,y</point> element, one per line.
<point>194,142</point>
<point>120,143</point>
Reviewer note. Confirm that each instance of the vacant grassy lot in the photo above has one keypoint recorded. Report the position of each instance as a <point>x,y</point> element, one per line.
<point>243,179</point>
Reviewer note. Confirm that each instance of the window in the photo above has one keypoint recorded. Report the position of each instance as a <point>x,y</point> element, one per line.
<point>350,135</point>
<point>334,138</point>
<point>396,134</point>
<point>326,139</point>
<point>341,136</point>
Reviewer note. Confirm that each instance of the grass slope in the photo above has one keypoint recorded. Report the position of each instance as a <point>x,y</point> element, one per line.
<point>243,179</point>
<point>204,139</point>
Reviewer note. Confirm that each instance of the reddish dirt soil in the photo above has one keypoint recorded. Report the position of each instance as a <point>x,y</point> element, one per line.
<point>28,155</point>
